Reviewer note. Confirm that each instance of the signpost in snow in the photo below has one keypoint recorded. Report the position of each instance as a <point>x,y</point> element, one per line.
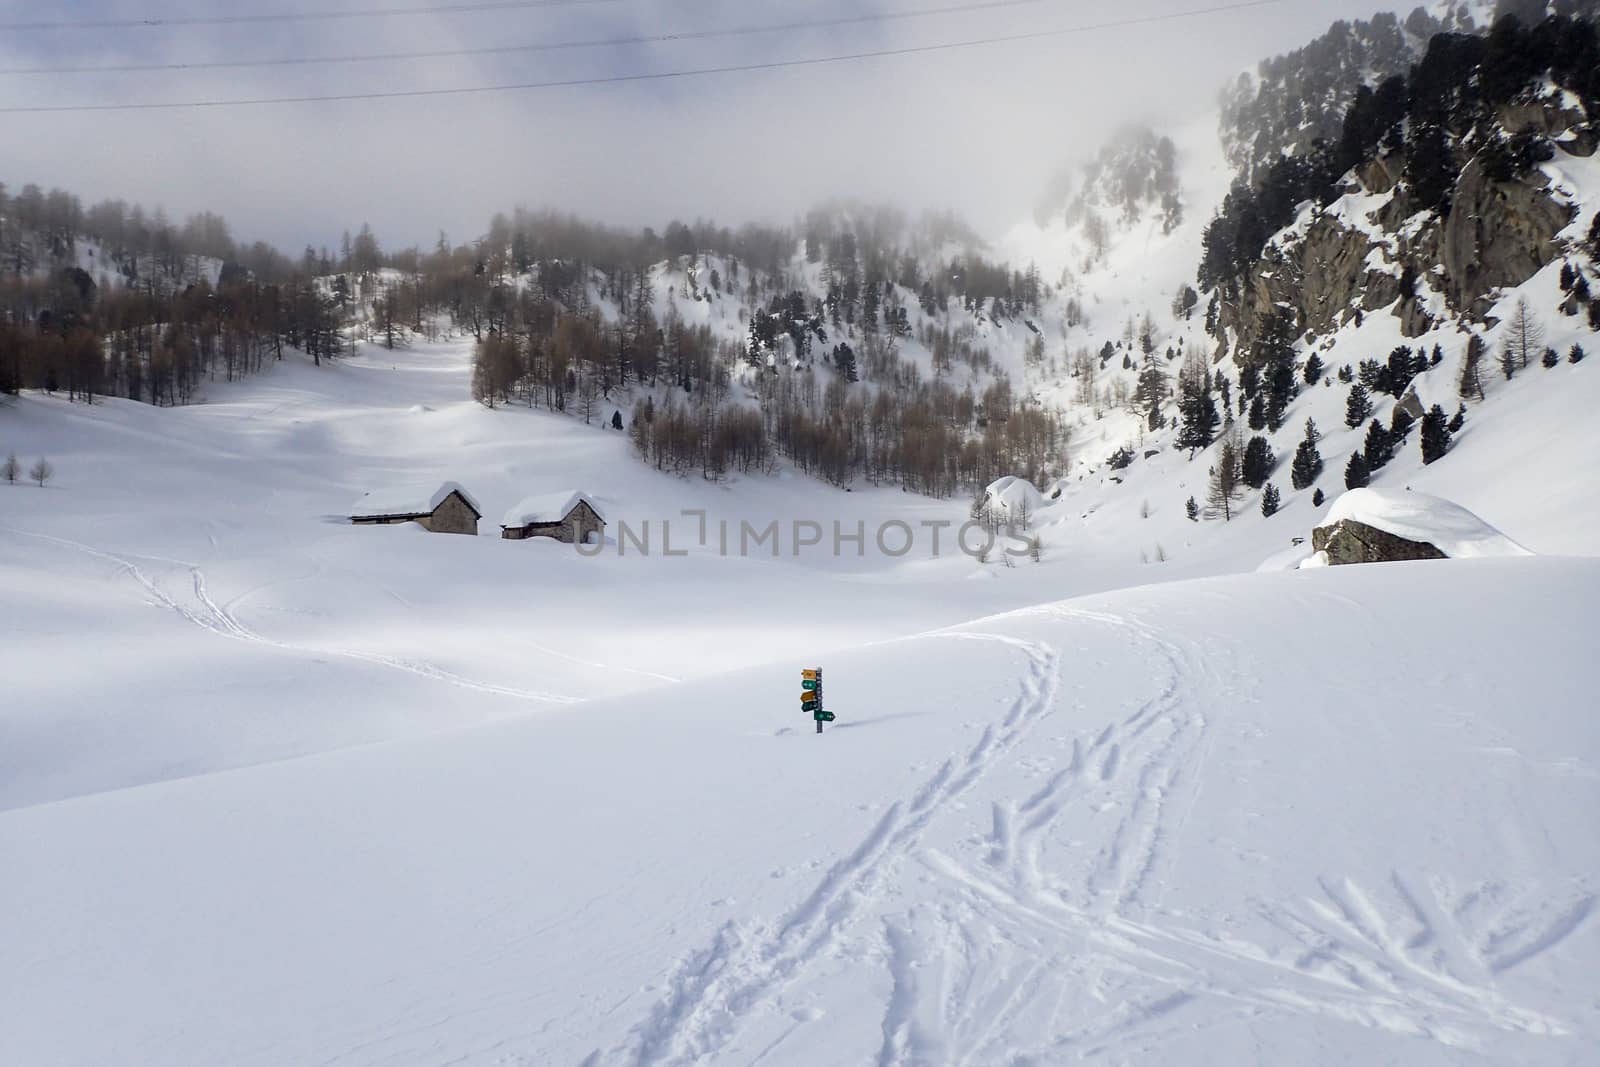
<point>811,696</point>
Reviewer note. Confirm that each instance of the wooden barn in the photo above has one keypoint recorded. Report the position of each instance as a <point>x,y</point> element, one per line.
<point>442,507</point>
<point>570,516</point>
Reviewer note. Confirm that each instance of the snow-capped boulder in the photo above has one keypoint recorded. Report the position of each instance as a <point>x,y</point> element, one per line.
<point>1387,526</point>
<point>1013,499</point>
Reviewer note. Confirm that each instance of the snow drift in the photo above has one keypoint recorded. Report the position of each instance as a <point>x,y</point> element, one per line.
<point>1450,528</point>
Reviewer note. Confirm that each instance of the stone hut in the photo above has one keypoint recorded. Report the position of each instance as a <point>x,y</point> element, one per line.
<point>440,507</point>
<point>570,516</point>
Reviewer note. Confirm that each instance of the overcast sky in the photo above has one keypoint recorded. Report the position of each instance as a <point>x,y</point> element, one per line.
<point>976,129</point>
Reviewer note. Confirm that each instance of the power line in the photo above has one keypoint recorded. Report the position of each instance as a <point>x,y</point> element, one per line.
<point>157,22</point>
<point>618,79</point>
<point>551,46</point>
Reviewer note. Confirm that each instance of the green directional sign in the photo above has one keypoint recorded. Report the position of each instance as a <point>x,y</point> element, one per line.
<point>809,685</point>
<point>824,716</point>
<point>810,705</point>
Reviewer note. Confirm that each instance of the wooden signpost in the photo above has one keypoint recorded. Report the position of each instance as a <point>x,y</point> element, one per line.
<point>811,696</point>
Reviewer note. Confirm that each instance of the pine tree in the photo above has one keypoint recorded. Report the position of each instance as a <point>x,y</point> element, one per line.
<point>1200,420</point>
<point>1576,355</point>
<point>1270,500</point>
<point>1378,449</point>
<point>1314,368</point>
<point>1358,407</point>
<point>1551,358</point>
<point>1356,474</point>
<point>1224,481</point>
<point>1470,383</point>
<point>1258,412</point>
<point>1192,509</point>
<point>1317,498</point>
<point>1280,390</point>
<point>1258,462</point>
<point>1307,466</point>
<point>1459,419</point>
<point>1435,435</point>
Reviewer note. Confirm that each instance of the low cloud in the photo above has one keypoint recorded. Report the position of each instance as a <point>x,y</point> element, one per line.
<point>979,130</point>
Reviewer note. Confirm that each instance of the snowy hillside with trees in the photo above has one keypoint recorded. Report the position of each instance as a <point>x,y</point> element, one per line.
<point>1120,763</point>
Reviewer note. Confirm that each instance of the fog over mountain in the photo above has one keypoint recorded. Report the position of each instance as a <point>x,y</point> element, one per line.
<point>977,129</point>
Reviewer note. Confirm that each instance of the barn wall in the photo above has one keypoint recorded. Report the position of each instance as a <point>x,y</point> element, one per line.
<point>579,523</point>
<point>452,516</point>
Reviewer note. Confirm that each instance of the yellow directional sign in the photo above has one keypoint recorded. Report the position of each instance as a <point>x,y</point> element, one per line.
<point>809,676</point>
<point>807,698</point>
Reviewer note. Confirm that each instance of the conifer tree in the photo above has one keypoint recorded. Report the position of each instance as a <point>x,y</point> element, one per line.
<point>1470,383</point>
<point>1435,434</point>
<point>1200,420</point>
<point>1378,449</point>
<point>1224,479</point>
<point>1192,509</point>
<point>1270,500</point>
<point>1576,355</point>
<point>1356,474</point>
<point>1317,498</point>
<point>1459,419</point>
<point>1258,462</point>
<point>1314,368</point>
<point>1258,412</point>
<point>1358,407</point>
<point>1280,390</point>
<point>1307,467</point>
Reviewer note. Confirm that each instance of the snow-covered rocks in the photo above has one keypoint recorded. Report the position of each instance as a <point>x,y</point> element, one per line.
<point>1386,526</point>
<point>1012,499</point>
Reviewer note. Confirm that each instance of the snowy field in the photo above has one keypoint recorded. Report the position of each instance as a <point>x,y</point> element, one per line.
<point>279,790</point>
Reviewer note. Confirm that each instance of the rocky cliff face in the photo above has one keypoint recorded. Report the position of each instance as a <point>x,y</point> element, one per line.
<point>1388,258</point>
<point>1498,233</point>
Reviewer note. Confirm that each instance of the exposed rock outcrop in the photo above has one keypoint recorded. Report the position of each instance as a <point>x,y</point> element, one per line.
<point>1348,541</point>
<point>1497,233</point>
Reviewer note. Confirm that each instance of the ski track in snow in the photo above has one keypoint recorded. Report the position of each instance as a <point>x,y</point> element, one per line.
<point>218,620</point>
<point>712,991</point>
<point>1080,950</point>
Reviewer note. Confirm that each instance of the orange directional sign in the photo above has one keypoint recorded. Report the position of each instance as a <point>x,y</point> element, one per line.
<point>809,676</point>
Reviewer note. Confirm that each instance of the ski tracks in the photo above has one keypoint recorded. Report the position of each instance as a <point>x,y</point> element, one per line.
<point>712,992</point>
<point>211,616</point>
<point>1049,927</point>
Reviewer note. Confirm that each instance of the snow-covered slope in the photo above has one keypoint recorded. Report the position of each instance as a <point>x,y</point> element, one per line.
<point>1308,817</point>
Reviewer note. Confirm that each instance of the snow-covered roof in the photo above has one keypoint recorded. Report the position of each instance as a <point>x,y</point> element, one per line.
<point>549,507</point>
<point>419,498</point>
<point>1450,528</point>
